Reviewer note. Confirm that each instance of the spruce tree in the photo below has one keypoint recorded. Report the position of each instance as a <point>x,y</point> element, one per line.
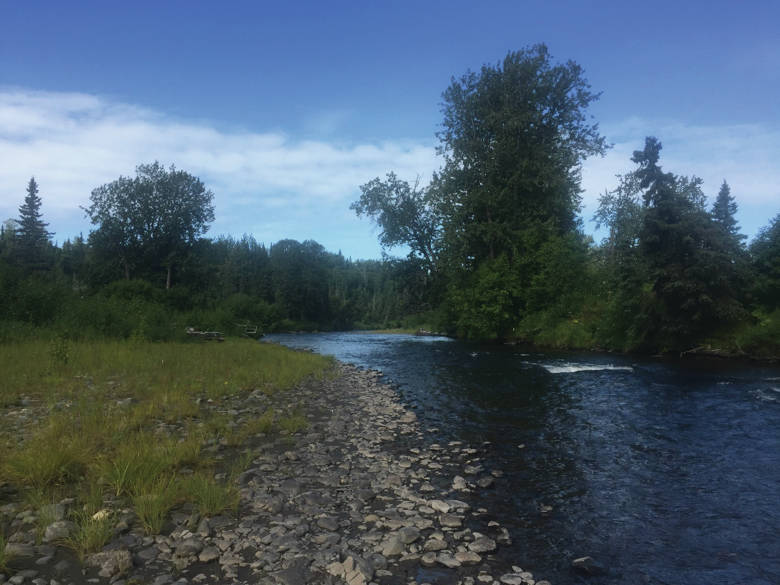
<point>723,211</point>
<point>32,237</point>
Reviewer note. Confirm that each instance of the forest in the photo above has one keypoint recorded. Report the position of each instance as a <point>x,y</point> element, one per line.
<point>495,247</point>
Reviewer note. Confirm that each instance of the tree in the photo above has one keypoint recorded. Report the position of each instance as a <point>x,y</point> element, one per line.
<point>151,220</point>
<point>405,214</point>
<point>31,238</point>
<point>694,283</point>
<point>723,213</point>
<point>513,139</point>
<point>765,254</point>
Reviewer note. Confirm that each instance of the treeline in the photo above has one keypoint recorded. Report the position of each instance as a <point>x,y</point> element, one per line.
<point>498,231</point>
<point>221,285</point>
<point>134,276</point>
<point>496,247</point>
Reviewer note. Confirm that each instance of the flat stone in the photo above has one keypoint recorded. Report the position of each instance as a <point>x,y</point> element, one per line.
<point>392,547</point>
<point>328,523</point>
<point>434,545</point>
<point>511,579</point>
<point>447,560</point>
<point>482,544</point>
<point>110,563</point>
<point>428,559</point>
<point>408,534</point>
<point>467,558</point>
<point>208,554</point>
<point>439,506</point>
<point>450,521</point>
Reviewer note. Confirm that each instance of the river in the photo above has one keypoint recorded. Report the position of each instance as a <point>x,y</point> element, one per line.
<point>664,472</point>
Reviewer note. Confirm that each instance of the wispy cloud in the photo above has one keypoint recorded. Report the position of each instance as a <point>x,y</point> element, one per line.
<point>273,185</point>
<point>74,142</point>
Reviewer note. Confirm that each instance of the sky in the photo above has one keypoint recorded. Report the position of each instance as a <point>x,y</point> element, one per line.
<point>285,109</point>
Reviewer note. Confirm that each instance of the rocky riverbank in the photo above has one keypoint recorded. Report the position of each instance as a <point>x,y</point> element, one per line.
<point>362,495</point>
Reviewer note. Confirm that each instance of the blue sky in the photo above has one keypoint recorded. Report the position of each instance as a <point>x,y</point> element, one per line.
<point>285,109</point>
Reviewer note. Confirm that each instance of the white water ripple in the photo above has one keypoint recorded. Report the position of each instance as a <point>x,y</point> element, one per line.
<point>569,368</point>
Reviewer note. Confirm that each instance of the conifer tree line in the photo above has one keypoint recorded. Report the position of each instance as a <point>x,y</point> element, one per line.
<point>496,248</point>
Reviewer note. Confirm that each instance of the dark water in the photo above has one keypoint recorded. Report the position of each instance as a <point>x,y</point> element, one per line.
<point>664,473</point>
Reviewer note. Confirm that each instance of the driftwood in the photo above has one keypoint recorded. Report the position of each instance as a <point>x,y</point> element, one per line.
<point>205,335</point>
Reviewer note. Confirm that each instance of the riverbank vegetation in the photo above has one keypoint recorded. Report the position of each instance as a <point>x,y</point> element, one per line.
<point>495,246</point>
<point>128,425</point>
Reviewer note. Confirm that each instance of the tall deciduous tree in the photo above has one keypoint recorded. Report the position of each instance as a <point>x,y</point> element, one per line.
<point>152,219</point>
<point>31,238</point>
<point>405,214</point>
<point>513,138</point>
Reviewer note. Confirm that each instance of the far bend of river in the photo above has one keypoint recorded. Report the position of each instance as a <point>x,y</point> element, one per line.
<point>666,473</point>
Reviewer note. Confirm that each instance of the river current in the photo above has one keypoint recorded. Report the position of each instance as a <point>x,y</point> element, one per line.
<point>664,472</point>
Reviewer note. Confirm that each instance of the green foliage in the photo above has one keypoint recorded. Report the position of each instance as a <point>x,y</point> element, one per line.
<point>31,241</point>
<point>765,253</point>
<point>153,219</point>
<point>154,501</point>
<point>210,498</point>
<point>407,216</point>
<point>94,528</point>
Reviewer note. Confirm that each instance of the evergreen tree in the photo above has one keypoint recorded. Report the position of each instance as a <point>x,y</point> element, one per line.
<point>694,286</point>
<point>723,213</point>
<point>32,238</point>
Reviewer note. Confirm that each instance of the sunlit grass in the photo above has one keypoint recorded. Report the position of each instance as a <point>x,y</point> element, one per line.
<point>209,496</point>
<point>131,419</point>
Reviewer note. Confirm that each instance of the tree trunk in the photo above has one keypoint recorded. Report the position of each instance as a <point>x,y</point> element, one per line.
<point>168,278</point>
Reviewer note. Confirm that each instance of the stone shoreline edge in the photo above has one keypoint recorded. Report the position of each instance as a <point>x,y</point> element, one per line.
<point>361,496</point>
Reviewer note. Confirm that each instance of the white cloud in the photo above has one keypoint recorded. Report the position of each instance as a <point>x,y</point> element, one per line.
<point>274,186</point>
<point>74,142</point>
<point>744,155</point>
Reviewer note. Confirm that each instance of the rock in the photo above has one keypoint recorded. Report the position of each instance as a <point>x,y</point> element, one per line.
<point>587,566</point>
<point>328,523</point>
<point>408,534</point>
<point>511,579</point>
<point>450,521</point>
<point>428,559</point>
<point>204,528</point>
<point>459,484</point>
<point>447,560</point>
<point>19,550</point>
<point>467,558</point>
<point>434,545</point>
<point>57,531</point>
<point>439,506</point>
<point>482,544</point>
<point>189,546</point>
<point>485,482</point>
<point>296,574</point>
<point>392,547</point>
<point>110,563</point>
<point>208,554</point>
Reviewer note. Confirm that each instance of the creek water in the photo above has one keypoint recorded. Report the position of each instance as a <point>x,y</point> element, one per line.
<point>664,472</point>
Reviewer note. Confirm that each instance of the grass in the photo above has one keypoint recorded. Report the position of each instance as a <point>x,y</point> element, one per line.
<point>293,423</point>
<point>94,528</point>
<point>131,419</point>
<point>154,501</point>
<point>210,498</point>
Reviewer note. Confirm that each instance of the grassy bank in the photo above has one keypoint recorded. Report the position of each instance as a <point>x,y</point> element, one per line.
<point>119,425</point>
